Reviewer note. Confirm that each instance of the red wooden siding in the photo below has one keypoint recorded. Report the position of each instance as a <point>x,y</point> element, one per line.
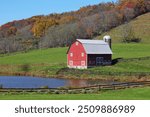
<point>77,57</point>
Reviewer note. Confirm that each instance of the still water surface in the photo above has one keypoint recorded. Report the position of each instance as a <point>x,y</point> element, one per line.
<point>36,82</point>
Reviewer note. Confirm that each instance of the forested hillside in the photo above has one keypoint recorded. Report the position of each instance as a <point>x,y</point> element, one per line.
<point>57,30</point>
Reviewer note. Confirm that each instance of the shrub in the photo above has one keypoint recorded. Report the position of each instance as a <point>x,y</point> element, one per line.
<point>128,34</point>
<point>25,67</point>
<point>129,40</point>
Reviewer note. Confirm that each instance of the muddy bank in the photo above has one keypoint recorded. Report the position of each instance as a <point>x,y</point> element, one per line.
<point>83,76</point>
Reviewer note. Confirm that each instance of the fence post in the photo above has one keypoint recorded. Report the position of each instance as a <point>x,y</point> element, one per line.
<point>128,85</point>
<point>67,91</point>
<point>113,87</point>
<point>99,87</point>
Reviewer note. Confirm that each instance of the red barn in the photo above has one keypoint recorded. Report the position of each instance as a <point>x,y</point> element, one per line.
<point>89,53</point>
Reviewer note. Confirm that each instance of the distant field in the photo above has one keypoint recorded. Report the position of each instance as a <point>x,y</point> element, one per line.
<point>47,62</point>
<point>131,50</point>
<point>141,27</point>
<point>126,94</point>
<point>50,56</point>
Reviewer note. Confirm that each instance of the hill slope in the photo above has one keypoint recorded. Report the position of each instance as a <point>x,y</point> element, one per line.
<point>141,28</point>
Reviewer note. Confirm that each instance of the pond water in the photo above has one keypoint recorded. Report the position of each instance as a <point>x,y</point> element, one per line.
<point>36,82</point>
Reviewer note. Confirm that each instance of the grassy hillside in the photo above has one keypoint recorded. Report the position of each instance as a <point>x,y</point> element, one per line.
<point>50,63</point>
<point>140,25</point>
<point>126,94</point>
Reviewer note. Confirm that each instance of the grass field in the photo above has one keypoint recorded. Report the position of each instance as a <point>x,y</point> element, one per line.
<point>49,56</point>
<point>126,94</point>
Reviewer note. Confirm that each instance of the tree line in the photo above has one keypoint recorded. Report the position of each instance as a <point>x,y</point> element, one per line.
<point>59,30</point>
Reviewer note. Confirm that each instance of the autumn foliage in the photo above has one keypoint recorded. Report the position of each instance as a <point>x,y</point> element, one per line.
<point>62,29</point>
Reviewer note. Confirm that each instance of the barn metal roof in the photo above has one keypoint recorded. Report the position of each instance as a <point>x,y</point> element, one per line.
<point>95,46</point>
<point>85,41</point>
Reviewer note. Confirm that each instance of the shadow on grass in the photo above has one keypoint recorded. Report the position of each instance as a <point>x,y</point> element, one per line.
<point>115,61</point>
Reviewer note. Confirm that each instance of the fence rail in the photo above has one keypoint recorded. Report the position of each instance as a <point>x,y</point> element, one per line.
<point>88,89</point>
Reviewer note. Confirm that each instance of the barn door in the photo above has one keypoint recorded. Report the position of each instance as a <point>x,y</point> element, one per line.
<point>99,60</point>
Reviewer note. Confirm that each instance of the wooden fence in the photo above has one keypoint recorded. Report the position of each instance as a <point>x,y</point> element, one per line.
<point>89,89</point>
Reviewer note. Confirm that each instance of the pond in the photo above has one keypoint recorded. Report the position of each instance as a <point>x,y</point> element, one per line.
<point>36,82</point>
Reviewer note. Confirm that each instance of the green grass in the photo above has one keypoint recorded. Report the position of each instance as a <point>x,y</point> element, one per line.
<point>126,94</point>
<point>141,28</point>
<point>132,50</point>
<point>49,56</point>
<point>133,66</point>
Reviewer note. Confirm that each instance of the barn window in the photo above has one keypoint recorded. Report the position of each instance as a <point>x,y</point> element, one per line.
<point>71,63</point>
<point>82,54</point>
<point>71,54</point>
<point>82,63</point>
<point>99,60</point>
<point>77,43</point>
